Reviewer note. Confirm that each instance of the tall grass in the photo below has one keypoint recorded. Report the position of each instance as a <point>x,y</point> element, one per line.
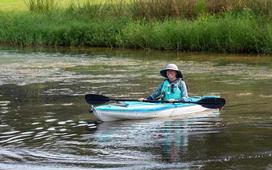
<point>41,5</point>
<point>227,33</point>
<point>156,9</point>
<point>98,8</point>
<point>194,25</point>
<point>224,34</point>
<point>193,8</point>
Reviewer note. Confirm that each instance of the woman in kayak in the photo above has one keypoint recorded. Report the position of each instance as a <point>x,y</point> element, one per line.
<point>173,88</point>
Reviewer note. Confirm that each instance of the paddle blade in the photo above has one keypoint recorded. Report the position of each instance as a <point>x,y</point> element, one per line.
<point>212,102</point>
<point>94,99</point>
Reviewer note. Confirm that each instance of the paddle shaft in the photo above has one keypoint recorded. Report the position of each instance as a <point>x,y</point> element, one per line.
<point>210,102</point>
<point>154,101</point>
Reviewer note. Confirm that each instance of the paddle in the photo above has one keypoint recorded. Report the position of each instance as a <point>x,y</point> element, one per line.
<point>209,102</point>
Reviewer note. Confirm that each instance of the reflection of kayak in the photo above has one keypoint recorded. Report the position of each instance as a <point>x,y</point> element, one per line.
<point>143,110</point>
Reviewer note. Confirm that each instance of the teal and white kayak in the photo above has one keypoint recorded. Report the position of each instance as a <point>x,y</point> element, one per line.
<point>131,110</point>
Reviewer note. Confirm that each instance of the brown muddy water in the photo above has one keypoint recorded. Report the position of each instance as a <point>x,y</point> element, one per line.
<point>45,124</point>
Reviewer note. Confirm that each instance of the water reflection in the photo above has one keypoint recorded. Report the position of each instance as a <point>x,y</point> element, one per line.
<point>114,144</point>
<point>170,138</point>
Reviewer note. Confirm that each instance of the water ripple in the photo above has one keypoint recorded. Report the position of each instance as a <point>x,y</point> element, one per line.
<point>51,160</point>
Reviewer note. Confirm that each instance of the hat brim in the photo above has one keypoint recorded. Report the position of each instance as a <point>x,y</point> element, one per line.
<point>164,74</point>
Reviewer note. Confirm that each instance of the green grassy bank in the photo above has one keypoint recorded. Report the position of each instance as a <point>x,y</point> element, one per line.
<point>89,25</point>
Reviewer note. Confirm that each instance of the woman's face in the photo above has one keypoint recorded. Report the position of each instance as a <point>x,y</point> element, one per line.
<point>171,74</point>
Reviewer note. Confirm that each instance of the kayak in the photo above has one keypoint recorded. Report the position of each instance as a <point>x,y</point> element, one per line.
<point>133,110</point>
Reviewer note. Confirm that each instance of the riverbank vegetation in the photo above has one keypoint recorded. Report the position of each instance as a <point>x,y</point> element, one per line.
<point>195,25</point>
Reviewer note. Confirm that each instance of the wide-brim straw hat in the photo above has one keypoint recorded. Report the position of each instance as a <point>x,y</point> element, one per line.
<point>171,67</point>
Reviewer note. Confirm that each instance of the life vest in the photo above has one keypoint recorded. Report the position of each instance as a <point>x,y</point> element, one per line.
<point>170,91</point>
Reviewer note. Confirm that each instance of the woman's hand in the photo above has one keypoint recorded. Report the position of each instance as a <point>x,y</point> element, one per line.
<point>171,100</point>
<point>141,99</point>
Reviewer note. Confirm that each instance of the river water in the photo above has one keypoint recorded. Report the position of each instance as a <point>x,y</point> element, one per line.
<point>45,124</point>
